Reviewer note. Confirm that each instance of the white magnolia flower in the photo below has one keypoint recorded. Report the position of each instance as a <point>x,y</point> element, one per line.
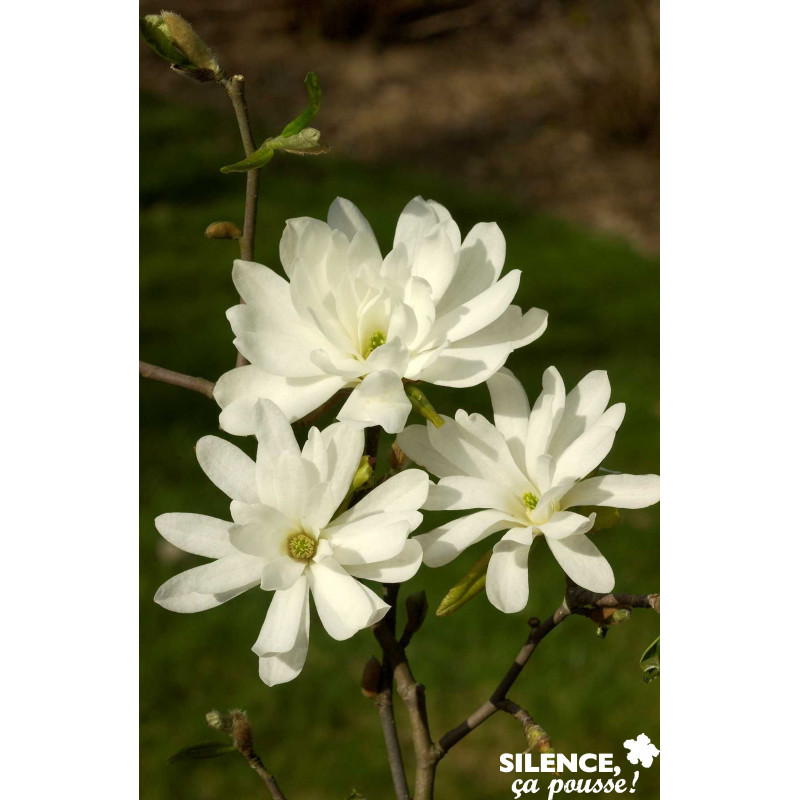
<point>285,537</point>
<point>526,471</point>
<point>435,309</point>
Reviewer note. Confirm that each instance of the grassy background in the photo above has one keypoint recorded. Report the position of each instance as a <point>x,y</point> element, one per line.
<point>318,734</point>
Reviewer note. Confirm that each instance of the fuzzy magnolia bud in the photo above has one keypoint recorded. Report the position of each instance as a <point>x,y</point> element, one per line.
<point>175,40</point>
<point>223,230</point>
<point>371,678</point>
<point>538,739</point>
<point>397,458</point>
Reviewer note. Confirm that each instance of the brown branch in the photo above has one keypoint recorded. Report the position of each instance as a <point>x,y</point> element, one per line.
<point>576,598</point>
<point>413,695</point>
<point>234,88</point>
<point>385,702</point>
<point>176,379</point>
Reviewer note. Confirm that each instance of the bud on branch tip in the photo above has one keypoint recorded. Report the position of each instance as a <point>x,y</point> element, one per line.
<point>422,405</point>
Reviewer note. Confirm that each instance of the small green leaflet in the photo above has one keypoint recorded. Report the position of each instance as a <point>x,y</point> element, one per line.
<point>650,662</point>
<point>473,583</point>
<point>205,750</point>
<point>314,100</point>
<point>296,137</point>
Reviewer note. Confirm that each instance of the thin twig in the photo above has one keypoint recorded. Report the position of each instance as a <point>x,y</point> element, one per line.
<point>413,695</point>
<point>237,726</point>
<point>576,598</point>
<point>176,379</point>
<point>385,702</point>
<point>235,89</point>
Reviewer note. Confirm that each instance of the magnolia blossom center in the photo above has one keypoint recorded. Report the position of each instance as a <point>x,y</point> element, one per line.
<point>530,500</point>
<point>301,546</point>
<point>375,341</point>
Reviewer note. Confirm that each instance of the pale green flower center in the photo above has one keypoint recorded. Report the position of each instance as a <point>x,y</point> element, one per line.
<point>301,546</point>
<point>530,500</point>
<point>375,341</point>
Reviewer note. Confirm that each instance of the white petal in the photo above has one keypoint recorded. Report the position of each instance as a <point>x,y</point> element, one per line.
<point>507,575</point>
<point>303,238</point>
<point>378,400</point>
<point>315,456</point>
<point>443,544</point>
<point>566,523</point>
<point>392,356</point>
<point>228,468</point>
<point>459,492</point>
<point>238,391</point>
<point>225,578</point>
<point>416,444</point>
<point>287,353</point>
<point>480,262</point>
<point>196,533</point>
<point>405,491</point>
<point>584,454</point>
<point>401,568</point>
<point>477,448</point>
<point>289,480</point>
<point>344,445</point>
<point>478,312</point>
<point>435,261</point>
<point>612,417</point>
<point>617,491</point>
<point>374,538</point>
<point>344,216</point>
<point>274,433</point>
<point>266,536</point>
<point>417,219</point>
<point>461,368</point>
<point>284,620</point>
<point>281,573</point>
<point>582,408</point>
<point>511,412</point>
<point>583,562</point>
<point>283,667</point>
<point>343,607</point>
<point>545,417</point>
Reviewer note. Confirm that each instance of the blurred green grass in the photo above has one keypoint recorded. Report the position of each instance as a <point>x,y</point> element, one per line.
<point>318,734</point>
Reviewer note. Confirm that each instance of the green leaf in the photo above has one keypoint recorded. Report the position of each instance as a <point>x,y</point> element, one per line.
<point>205,750</point>
<point>650,662</point>
<point>314,100</point>
<point>473,583</point>
<point>261,157</point>
<point>154,31</point>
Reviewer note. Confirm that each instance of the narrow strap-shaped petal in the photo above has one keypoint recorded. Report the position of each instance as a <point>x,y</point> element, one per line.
<point>507,575</point>
<point>401,567</point>
<point>441,545</point>
<point>618,491</point>
<point>228,468</point>
<point>284,620</point>
<point>196,533</point>
<point>583,562</point>
<point>511,411</point>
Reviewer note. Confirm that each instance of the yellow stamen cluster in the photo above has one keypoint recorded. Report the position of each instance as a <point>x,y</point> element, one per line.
<point>375,341</point>
<point>530,500</point>
<point>301,546</point>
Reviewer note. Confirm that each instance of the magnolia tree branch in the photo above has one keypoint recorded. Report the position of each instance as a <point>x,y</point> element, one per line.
<point>176,379</point>
<point>235,90</point>
<point>576,600</point>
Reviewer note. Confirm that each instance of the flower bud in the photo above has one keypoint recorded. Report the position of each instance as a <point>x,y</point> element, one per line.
<point>421,404</point>
<point>417,609</point>
<point>371,678</point>
<point>538,739</point>
<point>363,473</point>
<point>397,458</point>
<point>175,40</point>
<point>223,230</point>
